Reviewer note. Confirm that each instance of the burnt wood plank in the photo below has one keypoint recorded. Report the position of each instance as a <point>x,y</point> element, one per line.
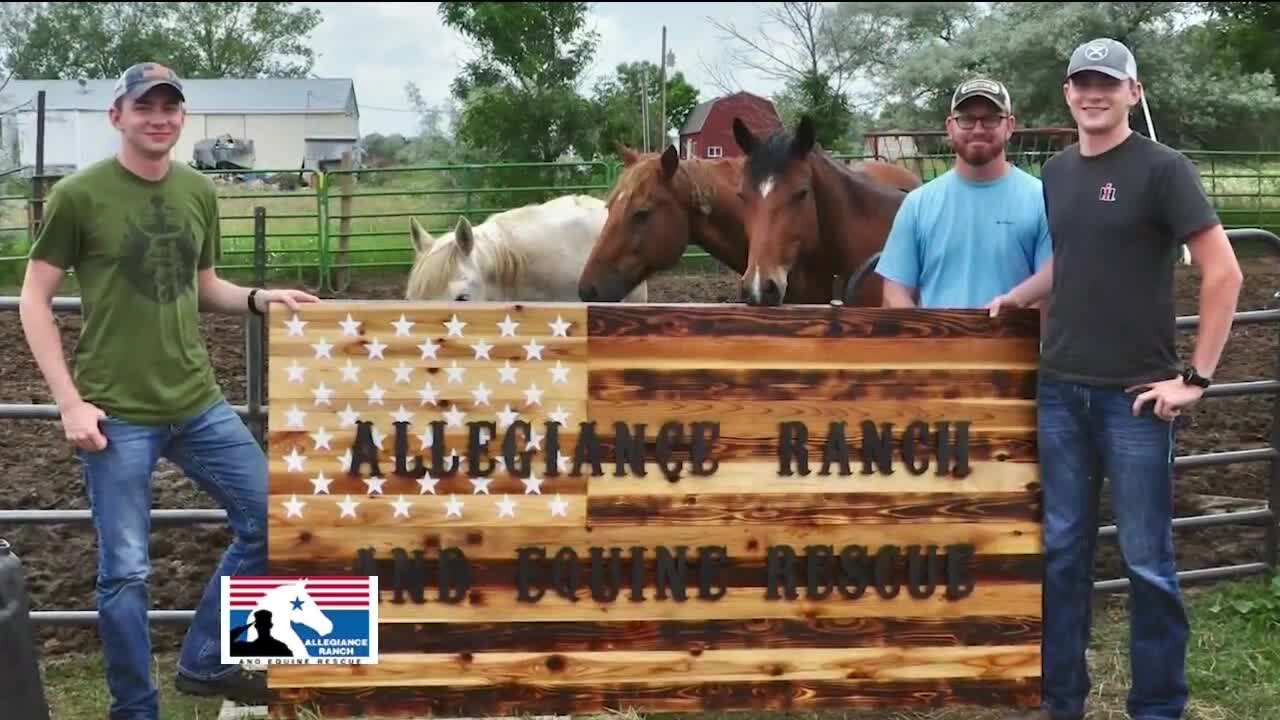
<point>812,509</point>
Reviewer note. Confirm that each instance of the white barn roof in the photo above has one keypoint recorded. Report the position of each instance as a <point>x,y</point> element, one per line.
<point>204,96</point>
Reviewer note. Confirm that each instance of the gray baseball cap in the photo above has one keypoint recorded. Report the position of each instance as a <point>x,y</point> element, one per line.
<point>1104,55</point>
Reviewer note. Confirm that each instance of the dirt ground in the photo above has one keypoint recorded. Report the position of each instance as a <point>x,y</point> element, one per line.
<point>38,470</point>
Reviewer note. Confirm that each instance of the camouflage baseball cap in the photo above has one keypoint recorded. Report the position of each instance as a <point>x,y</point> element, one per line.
<point>992,90</point>
<point>142,77</point>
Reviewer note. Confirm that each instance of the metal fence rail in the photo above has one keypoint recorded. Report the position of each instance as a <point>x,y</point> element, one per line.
<point>255,413</point>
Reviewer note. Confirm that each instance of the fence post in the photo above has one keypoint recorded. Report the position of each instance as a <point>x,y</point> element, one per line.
<point>322,227</point>
<point>1272,541</point>
<point>254,331</point>
<point>346,182</point>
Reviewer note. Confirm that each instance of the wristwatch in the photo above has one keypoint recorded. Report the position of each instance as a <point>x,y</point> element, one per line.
<point>1191,377</point>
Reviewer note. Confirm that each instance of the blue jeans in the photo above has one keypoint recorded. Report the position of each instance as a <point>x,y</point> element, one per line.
<point>218,452</point>
<point>1087,433</point>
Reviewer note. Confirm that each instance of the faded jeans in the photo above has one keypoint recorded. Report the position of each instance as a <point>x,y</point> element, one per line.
<point>218,452</point>
<point>1087,433</point>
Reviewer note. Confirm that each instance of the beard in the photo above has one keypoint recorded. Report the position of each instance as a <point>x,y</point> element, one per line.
<point>979,154</point>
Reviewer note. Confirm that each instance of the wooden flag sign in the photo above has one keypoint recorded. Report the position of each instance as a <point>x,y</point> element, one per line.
<point>578,508</point>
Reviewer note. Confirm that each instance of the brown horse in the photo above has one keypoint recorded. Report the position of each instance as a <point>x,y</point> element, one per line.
<point>657,208</point>
<point>812,223</point>
<point>889,174</point>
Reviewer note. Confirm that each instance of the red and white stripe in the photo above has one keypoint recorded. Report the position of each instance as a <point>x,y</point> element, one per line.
<point>329,593</point>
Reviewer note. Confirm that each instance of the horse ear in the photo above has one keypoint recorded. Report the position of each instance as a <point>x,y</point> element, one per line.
<point>670,161</point>
<point>422,240</point>
<point>742,134</point>
<point>805,136</point>
<point>629,156</point>
<point>462,235</point>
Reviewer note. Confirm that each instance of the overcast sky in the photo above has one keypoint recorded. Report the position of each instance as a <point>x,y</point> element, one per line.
<point>382,46</point>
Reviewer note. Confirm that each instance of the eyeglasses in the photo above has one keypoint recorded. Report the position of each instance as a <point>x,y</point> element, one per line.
<point>990,122</point>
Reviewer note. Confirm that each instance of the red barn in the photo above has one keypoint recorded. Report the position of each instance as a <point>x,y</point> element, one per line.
<point>708,133</point>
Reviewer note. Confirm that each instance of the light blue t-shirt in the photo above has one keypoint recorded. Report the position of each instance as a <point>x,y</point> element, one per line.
<point>963,243</point>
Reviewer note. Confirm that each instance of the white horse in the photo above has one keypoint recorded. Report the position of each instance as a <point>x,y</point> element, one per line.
<point>291,604</point>
<point>529,254</point>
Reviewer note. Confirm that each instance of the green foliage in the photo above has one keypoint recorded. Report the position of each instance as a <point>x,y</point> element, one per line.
<point>619,106</point>
<point>814,96</point>
<point>101,40</point>
<point>1248,31</point>
<point>1262,606</point>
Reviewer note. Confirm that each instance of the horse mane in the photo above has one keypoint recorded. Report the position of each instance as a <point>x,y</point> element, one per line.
<point>433,272</point>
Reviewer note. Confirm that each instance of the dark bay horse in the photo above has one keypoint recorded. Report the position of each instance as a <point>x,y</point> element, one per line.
<point>662,204</point>
<point>811,222</point>
<point>659,205</point>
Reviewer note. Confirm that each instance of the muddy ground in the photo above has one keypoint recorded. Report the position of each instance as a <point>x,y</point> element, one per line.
<point>38,471</point>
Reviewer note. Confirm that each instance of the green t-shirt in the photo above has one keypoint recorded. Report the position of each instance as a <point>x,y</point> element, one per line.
<point>135,246</point>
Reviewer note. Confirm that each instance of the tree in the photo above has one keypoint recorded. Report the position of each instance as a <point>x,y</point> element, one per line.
<point>519,97</point>
<point>1248,31</point>
<point>619,105</point>
<point>101,40</point>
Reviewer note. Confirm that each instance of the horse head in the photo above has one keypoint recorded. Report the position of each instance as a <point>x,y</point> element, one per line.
<point>659,206</point>
<point>291,603</point>
<point>811,220</point>
<point>461,265</point>
<point>780,211</point>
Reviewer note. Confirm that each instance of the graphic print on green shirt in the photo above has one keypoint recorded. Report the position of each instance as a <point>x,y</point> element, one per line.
<point>136,247</point>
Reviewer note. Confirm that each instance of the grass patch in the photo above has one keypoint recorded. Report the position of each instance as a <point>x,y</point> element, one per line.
<point>1233,667</point>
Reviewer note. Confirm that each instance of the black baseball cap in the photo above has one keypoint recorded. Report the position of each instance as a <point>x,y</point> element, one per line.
<point>140,78</point>
<point>1104,55</point>
<point>994,91</point>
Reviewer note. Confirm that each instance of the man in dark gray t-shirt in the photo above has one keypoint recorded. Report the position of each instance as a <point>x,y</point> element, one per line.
<point>1120,208</point>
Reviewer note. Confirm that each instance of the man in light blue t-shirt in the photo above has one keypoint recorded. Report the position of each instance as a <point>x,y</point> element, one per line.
<point>976,231</point>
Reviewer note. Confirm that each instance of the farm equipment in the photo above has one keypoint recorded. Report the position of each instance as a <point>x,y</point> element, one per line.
<point>224,152</point>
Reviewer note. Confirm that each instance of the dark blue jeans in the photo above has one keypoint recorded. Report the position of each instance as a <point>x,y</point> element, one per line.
<point>1085,434</point>
<point>218,452</point>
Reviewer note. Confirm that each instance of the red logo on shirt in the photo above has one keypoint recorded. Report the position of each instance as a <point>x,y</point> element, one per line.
<point>1107,193</point>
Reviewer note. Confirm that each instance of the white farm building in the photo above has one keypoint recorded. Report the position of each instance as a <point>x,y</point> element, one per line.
<point>293,123</point>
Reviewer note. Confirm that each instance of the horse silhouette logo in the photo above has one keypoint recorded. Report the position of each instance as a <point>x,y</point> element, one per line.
<point>285,620</point>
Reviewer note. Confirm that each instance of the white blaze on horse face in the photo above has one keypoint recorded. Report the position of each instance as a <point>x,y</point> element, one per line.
<point>766,187</point>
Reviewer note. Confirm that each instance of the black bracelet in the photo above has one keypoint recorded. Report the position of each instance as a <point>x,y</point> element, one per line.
<point>253,308</point>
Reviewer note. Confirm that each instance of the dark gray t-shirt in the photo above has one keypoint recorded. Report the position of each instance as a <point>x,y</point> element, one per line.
<point>1118,222</point>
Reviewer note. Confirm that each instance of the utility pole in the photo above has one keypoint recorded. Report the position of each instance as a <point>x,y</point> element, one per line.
<point>644,106</point>
<point>662,74</point>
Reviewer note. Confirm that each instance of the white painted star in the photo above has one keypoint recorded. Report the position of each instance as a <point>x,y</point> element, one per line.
<point>454,372</point>
<point>378,437</point>
<point>559,328</point>
<point>427,485</point>
<point>481,394</point>
<point>535,440</point>
<point>403,373</point>
<point>507,373</point>
<point>322,348</point>
<point>453,417</point>
<point>559,373</point>
<point>559,416</point>
<point>453,508</point>
<point>402,507</point>
<point>506,417</point>
<point>429,349</point>
<point>533,350</point>
<point>323,394</point>
<point>562,463</point>
<point>506,507</point>
<point>348,507</point>
<point>402,326</point>
<point>375,484</point>
<point>427,438</point>
<point>533,396</point>
<point>295,326</point>
<point>428,394</point>
<point>375,393</point>
<point>321,483</point>
<point>375,349</point>
<point>294,506</point>
<point>295,461</point>
<point>322,439</point>
<point>295,418</point>
<point>402,415</point>
<point>559,507</point>
<point>350,326</point>
<point>295,372</point>
<point>348,416</point>
<point>455,326</point>
<point>508,327</point>
<point>481,350</point>
<point>350,373</point>
<point>344,462</point>
<point>532,485</point>
<point>480,485</point>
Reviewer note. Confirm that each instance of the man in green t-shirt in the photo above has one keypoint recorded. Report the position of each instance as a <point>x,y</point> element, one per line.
<point>141,233</point>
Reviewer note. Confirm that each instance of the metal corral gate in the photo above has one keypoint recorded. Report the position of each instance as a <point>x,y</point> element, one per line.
<point>255,414</point>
